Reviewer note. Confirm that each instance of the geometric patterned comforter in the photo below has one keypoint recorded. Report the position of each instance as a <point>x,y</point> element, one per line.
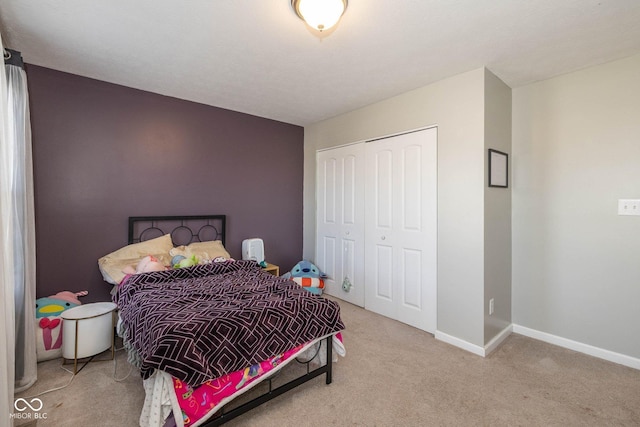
<point>202,322</point>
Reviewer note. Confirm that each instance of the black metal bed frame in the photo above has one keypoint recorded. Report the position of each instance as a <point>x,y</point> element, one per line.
<point>224,416</point>
<point>182,228</point>
<point>186,226</point>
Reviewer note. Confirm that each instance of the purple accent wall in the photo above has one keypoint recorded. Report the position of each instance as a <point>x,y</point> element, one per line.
<point>104,152</point>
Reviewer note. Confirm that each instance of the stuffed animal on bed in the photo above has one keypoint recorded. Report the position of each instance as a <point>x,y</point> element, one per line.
<point>49,322</point>
<point>145,265</point>
<point>180,261</point>
<point>307,275</point>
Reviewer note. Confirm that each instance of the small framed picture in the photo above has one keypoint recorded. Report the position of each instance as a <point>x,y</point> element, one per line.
<point>498,169</point>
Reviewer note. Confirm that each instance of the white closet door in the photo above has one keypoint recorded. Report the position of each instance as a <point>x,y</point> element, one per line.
<point>340,221</point>
<point>401,227</point>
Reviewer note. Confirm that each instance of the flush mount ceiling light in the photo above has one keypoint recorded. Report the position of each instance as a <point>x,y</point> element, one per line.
<point>320,14</point>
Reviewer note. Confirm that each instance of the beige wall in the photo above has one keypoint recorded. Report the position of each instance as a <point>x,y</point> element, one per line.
<point>497,210</point>
<point>456,106</point>
<point>576,150</point>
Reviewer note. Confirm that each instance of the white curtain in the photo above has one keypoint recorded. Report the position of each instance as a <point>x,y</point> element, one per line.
<point>18,234</point>
<point>7,323</point>
<point>23,232</point>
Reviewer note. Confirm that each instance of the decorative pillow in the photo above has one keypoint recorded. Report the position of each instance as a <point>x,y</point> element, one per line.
<point>204,251</point>
<point>111,265</point>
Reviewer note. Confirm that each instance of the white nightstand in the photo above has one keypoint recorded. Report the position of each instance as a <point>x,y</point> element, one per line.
<point>87,330</point>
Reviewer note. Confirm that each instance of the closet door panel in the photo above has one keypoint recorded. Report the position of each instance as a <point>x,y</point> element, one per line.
<point>380,249</point>
<point>351,285</point>
<point>383,280</point>
<point>327,256</point>
<point>349,213</point>
<point>383,192</point>
<point>411,282</point>
<point>340,207</point>
<point>402,180</point>
<point>416,230</point>
<point>411,185</point>
<point>329,197</point>
<point>326,221</point>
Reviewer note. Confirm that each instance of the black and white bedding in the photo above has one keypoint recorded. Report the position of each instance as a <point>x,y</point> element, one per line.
<point>201,322</point>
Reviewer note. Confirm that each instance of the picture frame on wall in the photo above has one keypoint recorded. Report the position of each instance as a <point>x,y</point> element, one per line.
<point>498,169</point>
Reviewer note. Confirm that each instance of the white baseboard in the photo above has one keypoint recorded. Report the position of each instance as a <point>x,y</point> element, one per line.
<point>601,353</point>
<point>497,340</point>
<point>472,348</point>
<point>465,345</point>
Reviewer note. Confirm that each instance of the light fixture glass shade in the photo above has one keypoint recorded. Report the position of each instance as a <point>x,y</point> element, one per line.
<point>320,14</point>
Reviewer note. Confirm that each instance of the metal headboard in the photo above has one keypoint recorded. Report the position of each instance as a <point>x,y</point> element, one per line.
<point>183,229</point>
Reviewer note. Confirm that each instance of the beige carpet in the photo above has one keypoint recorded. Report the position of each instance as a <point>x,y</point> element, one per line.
<point>393,375</point>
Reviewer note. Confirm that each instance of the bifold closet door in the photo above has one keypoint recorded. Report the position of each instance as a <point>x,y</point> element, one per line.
<point>401,228</point>
<point>340,221</point>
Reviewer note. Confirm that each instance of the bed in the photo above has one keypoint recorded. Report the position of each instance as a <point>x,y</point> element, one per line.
<point>204,335</point>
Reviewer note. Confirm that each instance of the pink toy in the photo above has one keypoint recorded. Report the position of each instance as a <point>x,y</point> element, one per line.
<point>146,265</point>
<point>71,297</point>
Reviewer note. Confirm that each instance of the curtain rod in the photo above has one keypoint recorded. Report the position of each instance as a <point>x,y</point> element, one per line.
<point>13,57</point>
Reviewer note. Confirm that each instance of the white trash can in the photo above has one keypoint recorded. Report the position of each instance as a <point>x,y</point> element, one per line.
<point>87,330</point>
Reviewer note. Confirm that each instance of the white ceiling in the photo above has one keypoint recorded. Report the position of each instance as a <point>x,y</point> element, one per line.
<point>257,57</point>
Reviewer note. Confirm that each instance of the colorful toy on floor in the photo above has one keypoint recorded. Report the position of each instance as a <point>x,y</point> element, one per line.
<point>49,325</point>
<point>307,275</point>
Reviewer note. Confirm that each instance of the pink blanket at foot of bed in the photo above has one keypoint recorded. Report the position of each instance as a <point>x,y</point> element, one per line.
<point>197,403</point>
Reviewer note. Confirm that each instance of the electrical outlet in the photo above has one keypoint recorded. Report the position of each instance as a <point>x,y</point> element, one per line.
<point>491,307</point>
<point>628,206</point>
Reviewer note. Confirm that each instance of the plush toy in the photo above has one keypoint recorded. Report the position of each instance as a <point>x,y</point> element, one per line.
<point>49,327</point>
<point>184,262</point>
<point>176,260</point>
<point>146,265</point>
<point>307,275</point>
